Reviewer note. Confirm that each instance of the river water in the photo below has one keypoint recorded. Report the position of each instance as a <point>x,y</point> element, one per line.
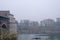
<point>34,37</point>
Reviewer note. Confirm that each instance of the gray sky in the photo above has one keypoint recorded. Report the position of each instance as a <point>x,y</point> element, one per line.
<point>36,10</point>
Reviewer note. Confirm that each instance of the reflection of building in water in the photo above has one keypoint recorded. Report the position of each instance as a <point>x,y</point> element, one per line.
<point>7,21</point>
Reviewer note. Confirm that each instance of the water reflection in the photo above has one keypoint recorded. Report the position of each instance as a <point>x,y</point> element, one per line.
<point>36,37</point>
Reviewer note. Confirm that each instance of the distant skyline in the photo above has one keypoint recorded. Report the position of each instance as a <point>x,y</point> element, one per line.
<point>36,10</point>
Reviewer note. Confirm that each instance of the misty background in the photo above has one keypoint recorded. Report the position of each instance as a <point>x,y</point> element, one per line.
<point>36,10</point>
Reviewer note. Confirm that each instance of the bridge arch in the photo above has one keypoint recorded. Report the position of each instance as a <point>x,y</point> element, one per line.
<point>4,26</point>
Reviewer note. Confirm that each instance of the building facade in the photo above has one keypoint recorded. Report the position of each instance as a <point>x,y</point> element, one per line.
<point>47,25</point>
<point>4,19</point>
<point>7,21</point>
<point>12,24</point>
<point>58,25</point>
<point>47,22</point>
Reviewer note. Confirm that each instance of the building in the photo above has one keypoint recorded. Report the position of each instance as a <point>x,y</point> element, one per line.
<point>13,24</point>
<point>27,26</point>
<point>34,27</point>
<point>34,24</point>
<point>57,19</point>
<point>58,25</point>
<point>4,19</point>
<point>7,21</point>
<point>47,22</point>
<point>24,24</point>
<point>47,25</point>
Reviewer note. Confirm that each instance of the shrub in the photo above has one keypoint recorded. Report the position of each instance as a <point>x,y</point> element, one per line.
<point>6,35</point>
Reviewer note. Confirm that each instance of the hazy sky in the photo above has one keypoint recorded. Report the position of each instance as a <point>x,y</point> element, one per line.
<point>32,9</point>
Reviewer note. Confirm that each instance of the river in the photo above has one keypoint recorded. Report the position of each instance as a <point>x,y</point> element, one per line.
<point>34,37</point>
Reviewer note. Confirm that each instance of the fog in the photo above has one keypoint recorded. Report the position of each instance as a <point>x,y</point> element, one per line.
<point>36,10</point>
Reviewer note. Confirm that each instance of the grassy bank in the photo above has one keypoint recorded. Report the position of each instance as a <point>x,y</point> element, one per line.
<point>6,35</point>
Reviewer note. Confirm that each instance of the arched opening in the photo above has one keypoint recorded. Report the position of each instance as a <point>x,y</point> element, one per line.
<point>4,26</point>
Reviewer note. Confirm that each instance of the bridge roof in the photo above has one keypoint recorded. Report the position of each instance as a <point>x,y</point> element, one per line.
<point>4,14</point>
